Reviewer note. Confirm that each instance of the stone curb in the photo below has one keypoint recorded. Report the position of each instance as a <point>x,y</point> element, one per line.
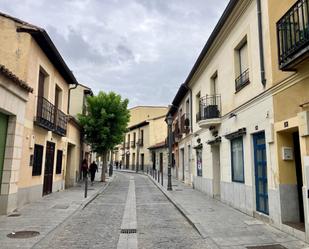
<point>196,225</point>
<point>82,206</point>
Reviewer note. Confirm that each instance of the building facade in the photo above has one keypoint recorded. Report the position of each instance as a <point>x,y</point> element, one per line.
<point>28,52</point>
<point>146,128</point>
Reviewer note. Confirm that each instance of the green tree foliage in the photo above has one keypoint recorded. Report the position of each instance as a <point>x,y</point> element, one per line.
<point>105,121</point>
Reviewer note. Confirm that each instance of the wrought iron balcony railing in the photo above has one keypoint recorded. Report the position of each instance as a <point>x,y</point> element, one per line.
<point>242,80</point>
<point>140,142</point>
<point>50,117</point>
<point>293,34</point>
<point>60,122</point>
<point>127,145</point>
<point>185,123</point>
<point>210,107</point>
<point>133,144</point>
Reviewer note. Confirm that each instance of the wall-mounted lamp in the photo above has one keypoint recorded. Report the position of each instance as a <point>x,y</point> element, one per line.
<point>232,115</point>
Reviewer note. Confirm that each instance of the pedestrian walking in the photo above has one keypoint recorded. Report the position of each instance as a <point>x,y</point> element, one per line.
<point>84,168</point>
<point>93,169</point>
<point>120,163</point>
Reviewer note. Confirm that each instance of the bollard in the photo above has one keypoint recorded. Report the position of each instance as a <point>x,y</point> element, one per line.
<point>86,186</point>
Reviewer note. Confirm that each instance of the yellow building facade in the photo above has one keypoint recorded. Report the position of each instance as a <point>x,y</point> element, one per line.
<point>146,128</point>
<point>29,53</point>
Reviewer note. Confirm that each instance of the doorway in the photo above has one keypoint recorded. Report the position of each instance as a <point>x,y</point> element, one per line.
<point>142,161</point>
<point>3,135</point>
<point>127,161</point>
<point>215,149</point>
<point>260,169</point>
<point>153,160</point>
<point>49,168</point>
<point>182,156</point>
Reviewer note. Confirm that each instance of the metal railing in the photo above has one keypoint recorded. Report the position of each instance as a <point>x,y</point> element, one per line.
<point>293,31</point>
<point>60,122</point>
<point>210,107</point>
<point>133,144</point>
<point>185,123</point>
<point>140,142</point>
<point>50,117</point>
<point>127,145</point>
<point>242,80</point>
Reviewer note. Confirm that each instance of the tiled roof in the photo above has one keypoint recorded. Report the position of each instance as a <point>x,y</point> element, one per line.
<point>7,73</point>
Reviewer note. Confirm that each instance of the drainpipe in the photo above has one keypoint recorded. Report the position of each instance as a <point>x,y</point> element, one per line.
<point>69,97</point>
<point>261,45</point>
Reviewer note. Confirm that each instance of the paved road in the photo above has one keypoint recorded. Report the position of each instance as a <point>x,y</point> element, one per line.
<point>159,224</point>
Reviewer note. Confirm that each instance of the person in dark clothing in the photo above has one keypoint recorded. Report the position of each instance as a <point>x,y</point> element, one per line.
<point>84,168</point>
<point>93,169</point>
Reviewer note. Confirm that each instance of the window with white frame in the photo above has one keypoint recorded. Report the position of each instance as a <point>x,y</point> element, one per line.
<point>237,160</point>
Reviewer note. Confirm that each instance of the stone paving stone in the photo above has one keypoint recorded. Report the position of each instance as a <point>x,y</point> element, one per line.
<point>224,225</point>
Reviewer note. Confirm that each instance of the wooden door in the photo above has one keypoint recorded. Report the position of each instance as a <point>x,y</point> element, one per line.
<point>49,168</point>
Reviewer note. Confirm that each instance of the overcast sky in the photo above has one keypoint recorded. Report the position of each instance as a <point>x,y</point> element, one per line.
<point>142,49</point>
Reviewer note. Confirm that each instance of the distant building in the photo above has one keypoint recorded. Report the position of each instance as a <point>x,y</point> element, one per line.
<point>146,128</point>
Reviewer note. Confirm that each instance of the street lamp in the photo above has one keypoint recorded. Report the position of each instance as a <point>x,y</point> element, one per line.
<point>169,121</point>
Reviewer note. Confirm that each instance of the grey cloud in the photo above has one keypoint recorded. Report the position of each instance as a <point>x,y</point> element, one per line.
<point>143,49</point>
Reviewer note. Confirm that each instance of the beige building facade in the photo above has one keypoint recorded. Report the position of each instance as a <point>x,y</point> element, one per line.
<point>146,128</point>
<point>29,53</point>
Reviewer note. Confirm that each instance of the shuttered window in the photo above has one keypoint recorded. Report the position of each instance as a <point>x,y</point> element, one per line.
<point>59,162</point>
<point>37,160</point>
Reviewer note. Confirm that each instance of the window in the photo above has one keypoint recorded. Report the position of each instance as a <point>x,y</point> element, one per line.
<point>58,97</point>
<point>142,138</point>
<point>242,65</point>
<point>134,138</point>
<point>198,106</point>
<point>37,160</point>
<point>199,165</point>
<point>214,84</point>
<point>59,162</point>
<point>237,160</point>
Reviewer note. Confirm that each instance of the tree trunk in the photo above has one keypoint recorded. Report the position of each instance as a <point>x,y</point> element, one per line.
<point>104,166</point>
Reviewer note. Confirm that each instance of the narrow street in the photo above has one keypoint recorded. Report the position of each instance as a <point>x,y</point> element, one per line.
<point>98,225</point>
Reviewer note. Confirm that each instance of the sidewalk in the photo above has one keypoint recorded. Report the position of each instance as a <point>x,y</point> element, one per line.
<point>222,226</point>
<point>47,214</point>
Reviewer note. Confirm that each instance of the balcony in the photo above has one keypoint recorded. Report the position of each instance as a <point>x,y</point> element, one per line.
<point>133,144</point>
<point>50,117</point>
<point>210,114</point>
<point>127,145</point>
<point>242,80</point>
<point>293,36</point>
<point>185,123</point>
<point>140,142</point>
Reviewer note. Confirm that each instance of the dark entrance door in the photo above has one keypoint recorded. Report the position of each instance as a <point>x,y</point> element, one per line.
<point>49,168</point>
<point>127,161</point>
<point>299,175</point>
<point>260,163</point>
<point>153,160</point>
<point>142,162</point>
<point>3,135</point>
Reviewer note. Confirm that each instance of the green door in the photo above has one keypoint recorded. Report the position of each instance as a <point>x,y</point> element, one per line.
<point>3,132</point>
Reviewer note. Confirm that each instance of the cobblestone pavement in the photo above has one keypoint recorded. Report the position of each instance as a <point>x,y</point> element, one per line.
<point>159,223</point>
<point>97,225</point>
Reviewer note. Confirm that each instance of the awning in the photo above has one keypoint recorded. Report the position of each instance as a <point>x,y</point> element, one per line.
<point>241,132</point>
<point>214,141</point>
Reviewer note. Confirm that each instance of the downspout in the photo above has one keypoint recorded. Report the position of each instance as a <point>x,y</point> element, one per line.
<point>69,96</point>
<point>261,45</point>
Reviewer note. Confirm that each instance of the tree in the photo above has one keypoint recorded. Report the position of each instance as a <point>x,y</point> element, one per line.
<point>105,123</point>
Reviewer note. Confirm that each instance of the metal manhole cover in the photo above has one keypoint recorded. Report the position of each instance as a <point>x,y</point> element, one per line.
<point>23,234</point>
<point>14,215</point>
<point>177,189</point>
<point>275,246</point>
<point>128,230</point>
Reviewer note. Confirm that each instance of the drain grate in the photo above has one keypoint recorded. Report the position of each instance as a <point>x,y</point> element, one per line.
<point>23,234</point>
<point>275,246</point>
<point>126,230</point>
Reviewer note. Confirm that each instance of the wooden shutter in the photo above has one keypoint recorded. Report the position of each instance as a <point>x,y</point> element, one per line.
<point>59,162</point>
<point>37,160</point>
